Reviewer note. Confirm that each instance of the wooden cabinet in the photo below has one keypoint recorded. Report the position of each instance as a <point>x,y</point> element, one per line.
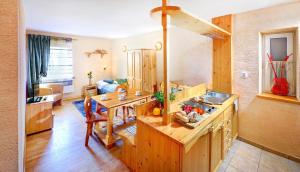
<point>176,148</point>
<point>90,90</point>
<point>141,69</point>
<point>39,116</point>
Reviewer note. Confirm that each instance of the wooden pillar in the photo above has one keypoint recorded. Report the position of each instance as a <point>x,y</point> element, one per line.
<point>164,17</point>
<point>222,57</point>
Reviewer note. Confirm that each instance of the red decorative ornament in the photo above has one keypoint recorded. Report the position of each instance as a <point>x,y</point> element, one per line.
<point>281,86</point>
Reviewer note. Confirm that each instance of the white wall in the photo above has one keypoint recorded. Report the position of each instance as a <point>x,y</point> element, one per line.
<point>21,88</point>
<point>190,55</point>
<point>83,64</point>
<point>119,58</point>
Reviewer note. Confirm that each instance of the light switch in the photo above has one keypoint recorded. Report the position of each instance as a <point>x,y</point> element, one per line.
<point>244,74</point>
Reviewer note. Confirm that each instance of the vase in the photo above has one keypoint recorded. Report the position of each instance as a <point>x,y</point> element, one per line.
<point>90,81</point>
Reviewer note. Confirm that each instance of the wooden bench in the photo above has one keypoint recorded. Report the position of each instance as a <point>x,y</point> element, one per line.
<point>128,150</point>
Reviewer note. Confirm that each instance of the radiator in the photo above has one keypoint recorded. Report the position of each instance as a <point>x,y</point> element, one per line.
<point>68,84</point>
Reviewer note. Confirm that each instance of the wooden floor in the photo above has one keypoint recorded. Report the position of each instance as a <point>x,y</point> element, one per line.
<point>62,149</point>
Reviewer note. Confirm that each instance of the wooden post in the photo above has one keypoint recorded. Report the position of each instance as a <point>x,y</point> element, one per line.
<point>222,57</point>
<point>166,117</point>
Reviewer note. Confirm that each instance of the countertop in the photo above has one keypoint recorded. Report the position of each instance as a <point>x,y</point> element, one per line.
<point>180,133</point>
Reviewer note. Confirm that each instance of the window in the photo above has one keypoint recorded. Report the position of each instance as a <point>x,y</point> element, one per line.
<point>60,67</point>
<point>278,45</point>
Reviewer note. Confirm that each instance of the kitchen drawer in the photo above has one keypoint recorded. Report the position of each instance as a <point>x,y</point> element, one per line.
<point>227,146</point>
<point>227,123</point>
<point>228,141</point>
<point>91,92</point>
<point>227,132</point>
<point>218,120</point>
<point>228,112</point>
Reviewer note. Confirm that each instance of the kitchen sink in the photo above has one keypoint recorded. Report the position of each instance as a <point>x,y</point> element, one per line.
<point>215,98</point>
<point>207,109</point>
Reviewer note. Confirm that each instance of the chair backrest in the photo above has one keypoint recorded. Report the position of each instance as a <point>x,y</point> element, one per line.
<point>88,107</point>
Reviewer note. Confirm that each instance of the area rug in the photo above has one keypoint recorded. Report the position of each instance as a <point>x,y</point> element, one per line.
<point>80,106</point>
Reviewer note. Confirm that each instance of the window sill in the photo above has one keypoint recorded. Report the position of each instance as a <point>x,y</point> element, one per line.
<point>287,99</point>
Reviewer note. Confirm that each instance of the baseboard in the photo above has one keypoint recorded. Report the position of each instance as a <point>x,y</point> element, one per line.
<point>291,157</point>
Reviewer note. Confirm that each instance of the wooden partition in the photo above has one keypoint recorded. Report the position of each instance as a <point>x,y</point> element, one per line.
<point>222,57</point>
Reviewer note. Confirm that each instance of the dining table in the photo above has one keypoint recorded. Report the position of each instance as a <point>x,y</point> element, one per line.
<point>110,103</point>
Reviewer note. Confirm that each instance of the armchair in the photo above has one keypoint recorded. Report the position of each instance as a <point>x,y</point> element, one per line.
<point>55,89</point>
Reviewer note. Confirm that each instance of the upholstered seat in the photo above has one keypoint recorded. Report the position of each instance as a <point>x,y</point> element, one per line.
<point>57,97</point>
<point>55,89</point>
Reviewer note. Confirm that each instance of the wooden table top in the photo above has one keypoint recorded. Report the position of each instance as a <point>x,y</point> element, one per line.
<point>113,101</point>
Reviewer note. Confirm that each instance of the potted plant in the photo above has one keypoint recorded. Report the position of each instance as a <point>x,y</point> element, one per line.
<point>90,76</point>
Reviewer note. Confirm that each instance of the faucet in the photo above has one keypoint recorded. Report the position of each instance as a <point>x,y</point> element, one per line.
<point>206,91</point>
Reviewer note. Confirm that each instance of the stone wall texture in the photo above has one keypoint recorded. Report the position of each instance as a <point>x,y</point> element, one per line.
<point>273,124</point>
<point>9,85</point>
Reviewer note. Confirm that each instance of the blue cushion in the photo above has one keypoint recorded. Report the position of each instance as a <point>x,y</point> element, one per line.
<point>110,81</point>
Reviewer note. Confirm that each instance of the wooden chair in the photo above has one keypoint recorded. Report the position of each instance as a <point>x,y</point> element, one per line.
<point>54,89</point>
<point>91,118</point>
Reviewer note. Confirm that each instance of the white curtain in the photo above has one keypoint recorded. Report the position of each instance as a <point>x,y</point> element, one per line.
<point>289,74</point>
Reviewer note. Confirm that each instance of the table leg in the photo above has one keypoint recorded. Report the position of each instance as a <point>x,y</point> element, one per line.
<point>125,113</point>
<point>98,108</point>
<point>109,125</point>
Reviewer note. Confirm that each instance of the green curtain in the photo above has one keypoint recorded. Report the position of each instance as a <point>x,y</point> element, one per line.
<point>38,59</point>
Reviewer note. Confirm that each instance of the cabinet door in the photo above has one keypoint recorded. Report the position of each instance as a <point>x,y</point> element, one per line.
<point>149,70</point>
<point>130,69</point>
<point>138,70</point>
<point>46,116</point>
<point>146,71</point>
<point>153,70</point>
<point>216,146</point>
<point>199,151</point>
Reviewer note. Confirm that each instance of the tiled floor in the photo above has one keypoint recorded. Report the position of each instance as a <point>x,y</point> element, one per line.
<point>62,149</point>
<point>246,158</point>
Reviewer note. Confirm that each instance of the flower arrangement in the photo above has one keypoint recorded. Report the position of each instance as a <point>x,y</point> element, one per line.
<point>90,76</point>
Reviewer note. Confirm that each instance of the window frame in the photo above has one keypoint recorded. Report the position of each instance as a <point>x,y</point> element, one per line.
<point>296,49</point>
<point>53,80</point>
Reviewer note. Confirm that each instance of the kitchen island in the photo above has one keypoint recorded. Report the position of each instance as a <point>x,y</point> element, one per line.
<point>175,147</point>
